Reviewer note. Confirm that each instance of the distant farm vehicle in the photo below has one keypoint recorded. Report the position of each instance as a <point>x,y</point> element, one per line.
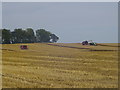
<point>85,43</point>
<point>93,43</point>
<point>90,42</point>
<point>23,47</point>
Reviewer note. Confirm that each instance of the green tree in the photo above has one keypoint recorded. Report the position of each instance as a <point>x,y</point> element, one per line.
<point>0,36</point>
<point>17,36</point>
<point>23,36</point>
<point>6,36</point>
<point>42,35</point>
<point>27,36</point>
<point>30,35</point>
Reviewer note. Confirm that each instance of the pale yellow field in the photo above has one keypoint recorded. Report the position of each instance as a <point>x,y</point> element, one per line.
<point>48,66</point>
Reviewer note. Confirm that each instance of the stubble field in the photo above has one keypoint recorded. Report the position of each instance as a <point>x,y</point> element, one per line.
<point>60,65</point>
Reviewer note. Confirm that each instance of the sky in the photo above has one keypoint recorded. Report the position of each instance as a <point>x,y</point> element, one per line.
<point>0,23</point>
<point>72,22</point>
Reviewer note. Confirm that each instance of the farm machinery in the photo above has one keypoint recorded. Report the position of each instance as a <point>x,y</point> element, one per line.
<point>23,47</point>
<point>89,42</point>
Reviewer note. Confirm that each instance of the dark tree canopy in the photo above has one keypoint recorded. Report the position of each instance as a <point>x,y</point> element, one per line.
<point>43,35</point>
<point>27,36</point>
<point>6,36</point>
<point>30,35</point>
<point>0,36</point>
<point>17,36</point>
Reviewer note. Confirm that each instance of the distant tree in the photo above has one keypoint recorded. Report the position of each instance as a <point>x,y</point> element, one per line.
<point>22,36</point>
<point>27,36</point>
<point>13,37</point>
<point>17,36</point>
<point>54,38</point>
<point>0,36</point>
<point>43,35</point>
<point>6,36</point>
<point>30,35</point>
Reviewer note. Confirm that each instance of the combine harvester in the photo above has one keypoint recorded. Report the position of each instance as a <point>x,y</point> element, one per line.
<point>90,42</point>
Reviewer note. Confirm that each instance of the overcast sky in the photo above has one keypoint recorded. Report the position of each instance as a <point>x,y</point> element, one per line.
<point>72,22</point>
<point>0,15</point>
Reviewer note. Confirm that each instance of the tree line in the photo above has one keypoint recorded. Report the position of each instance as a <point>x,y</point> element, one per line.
<point>27,36</point>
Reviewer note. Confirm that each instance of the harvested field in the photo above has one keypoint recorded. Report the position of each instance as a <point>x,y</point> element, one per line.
<point>60,65</point>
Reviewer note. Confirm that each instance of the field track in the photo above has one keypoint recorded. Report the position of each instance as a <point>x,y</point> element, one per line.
<point>85,48</point>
